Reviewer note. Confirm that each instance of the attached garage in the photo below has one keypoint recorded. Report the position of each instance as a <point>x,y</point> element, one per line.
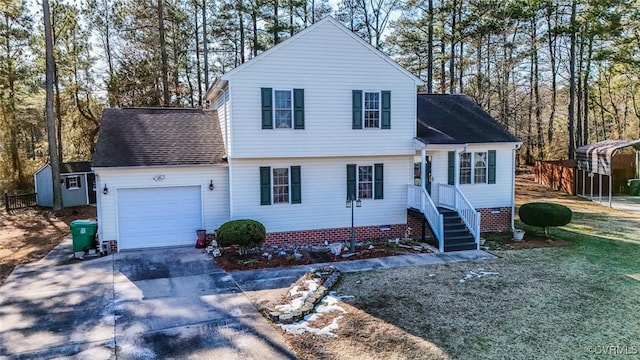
<point>153,217</point>
<point>161,174</point>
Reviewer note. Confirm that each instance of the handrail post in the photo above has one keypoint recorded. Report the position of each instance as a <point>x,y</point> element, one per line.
<point>6,201</point>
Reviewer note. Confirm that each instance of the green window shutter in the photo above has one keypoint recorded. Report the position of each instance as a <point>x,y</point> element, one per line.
<point>267,108</point>
<point>356,98</point>
<point>491,173</point>
<point>265,185</point>
<point>378,185</point>
<point>298,108</point>
<point>451,177</point>
<point>296,185</point>
<point>386,110</point>
<point>351,181</point>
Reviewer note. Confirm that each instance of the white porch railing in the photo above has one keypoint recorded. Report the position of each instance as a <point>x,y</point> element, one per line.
<point>451,197</point>
<point>418,198</point>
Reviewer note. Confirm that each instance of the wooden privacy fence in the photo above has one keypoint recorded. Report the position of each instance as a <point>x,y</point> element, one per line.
<point>557,174</point>
<point>21,201</point>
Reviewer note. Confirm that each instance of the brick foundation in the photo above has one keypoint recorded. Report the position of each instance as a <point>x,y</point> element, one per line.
<point>415,223</point>
<point>495,219</point>
<point>318,236</point>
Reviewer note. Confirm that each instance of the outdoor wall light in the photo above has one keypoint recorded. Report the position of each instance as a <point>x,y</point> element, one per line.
<point>105,190</point>
<point>211,187</point>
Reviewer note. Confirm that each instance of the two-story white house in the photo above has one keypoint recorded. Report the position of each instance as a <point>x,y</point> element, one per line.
<point>290,137</point>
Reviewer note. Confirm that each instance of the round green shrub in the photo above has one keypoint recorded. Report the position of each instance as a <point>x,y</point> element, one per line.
<point>545,215</point>
<point>245,233</point>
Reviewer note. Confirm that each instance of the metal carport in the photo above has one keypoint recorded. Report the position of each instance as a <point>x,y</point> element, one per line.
<point>597,159</point>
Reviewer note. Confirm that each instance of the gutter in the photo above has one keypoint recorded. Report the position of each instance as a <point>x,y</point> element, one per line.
<point>516,147</point>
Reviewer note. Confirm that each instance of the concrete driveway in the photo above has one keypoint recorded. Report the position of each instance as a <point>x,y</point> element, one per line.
<point>154,304</point>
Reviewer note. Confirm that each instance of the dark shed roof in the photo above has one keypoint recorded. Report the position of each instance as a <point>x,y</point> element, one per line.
<point>75,167</point>
<point>158,137</point>
<point>457,119</point>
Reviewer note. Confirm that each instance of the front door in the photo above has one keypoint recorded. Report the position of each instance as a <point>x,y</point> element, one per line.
<point>427,174</point>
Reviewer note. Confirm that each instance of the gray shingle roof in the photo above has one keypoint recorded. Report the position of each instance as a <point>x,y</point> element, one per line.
<point>158,137</point>
<point>457,119</point>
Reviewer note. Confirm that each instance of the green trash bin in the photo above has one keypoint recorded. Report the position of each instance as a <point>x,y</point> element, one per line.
<point>83,233</point>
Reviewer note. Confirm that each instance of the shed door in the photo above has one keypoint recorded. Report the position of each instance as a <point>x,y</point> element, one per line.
<point>154,217</point>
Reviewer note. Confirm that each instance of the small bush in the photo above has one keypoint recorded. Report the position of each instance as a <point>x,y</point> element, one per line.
<point>545,215</point>
<point>245,233</point>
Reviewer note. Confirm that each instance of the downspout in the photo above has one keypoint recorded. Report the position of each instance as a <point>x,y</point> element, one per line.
<point>513,186</point>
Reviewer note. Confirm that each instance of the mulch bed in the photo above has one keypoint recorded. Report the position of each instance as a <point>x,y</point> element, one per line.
<point>231,260</point>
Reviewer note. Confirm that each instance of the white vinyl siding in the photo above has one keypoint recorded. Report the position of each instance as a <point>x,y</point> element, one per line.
<point>328,110</point>
<point>215,203</point>
<point>323,204</point>
<point>222,107</point>
<point>480,195</point>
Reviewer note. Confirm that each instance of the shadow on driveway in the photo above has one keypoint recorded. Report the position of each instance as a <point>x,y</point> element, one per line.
<point>149,304</point>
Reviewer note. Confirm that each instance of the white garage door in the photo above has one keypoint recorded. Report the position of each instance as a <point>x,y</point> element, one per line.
<point>153,217</point>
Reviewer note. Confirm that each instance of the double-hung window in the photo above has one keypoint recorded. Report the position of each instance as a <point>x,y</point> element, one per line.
<point>480,168</point>
<point>473,168</point>
<point>280,185</point>
<point>282,108</point>
<point>371,109</point>
<point>365,182</point>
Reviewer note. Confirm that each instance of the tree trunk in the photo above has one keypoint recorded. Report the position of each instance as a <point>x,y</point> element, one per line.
<point>51,126</point>
<point>166,97</point>
<point>430,51</point>
<point>572,79</point>
<point>205,46</point>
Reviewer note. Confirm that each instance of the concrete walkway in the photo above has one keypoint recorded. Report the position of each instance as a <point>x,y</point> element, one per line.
<point>153,304</point>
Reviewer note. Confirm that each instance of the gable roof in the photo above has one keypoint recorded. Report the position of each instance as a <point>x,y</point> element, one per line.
<point>457,119</point>
<point>326,21</point>
<point>158,137</point>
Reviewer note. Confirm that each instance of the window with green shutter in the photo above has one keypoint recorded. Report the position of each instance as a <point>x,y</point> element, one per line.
<point>267,108</point>
<point>378,188</point>
<point>282,108</point>
<point>492,167</point>
<point>371,109</point>
<point>265,185</point>
<point>365,181</point>
<point>386,110</point>
<point>296,185</point>
<point>351,181</point>
<point>298,109</point>
<point>356,100</point>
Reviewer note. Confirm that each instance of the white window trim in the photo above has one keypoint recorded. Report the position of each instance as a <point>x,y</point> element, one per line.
<point>77,178</point>
<point>472,175</point>
<point>273,105</point>
<point>373,181</point>
<point>273,184</point>
<point>364,110</point>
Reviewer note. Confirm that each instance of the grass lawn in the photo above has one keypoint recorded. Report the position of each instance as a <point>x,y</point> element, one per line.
<point>574,301</point>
